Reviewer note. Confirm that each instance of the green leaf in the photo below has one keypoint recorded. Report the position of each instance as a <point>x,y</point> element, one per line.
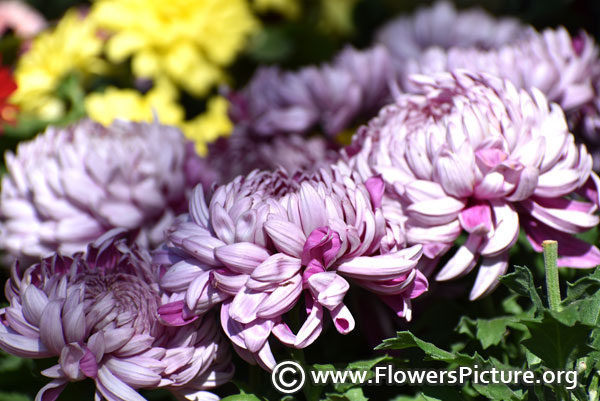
<point>354,394</point>
<point>14,397</point>
<point>361,366</point>
<point>9,363</point>
<point>405,339</point>
<point>241,397</point>
<point>441,393</point>
<point>467,326</point>
<point>585,286</point>
<point>555,342</point>
<point>521,282</point>
<point>500,392</point>
<point>490,332</point>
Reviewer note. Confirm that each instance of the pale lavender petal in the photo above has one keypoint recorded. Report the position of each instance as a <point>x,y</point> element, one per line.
<point>328,288</point>
<point>245,305</point>
<point>242,257</point>
<point>51,330</point>
<point>506,231</point>
<point>487,277</point>
<point>287,237</point>
<point>462,261</point>
<point>51,391</point>
<point>114,389</point>
<point>281,300</point>
<point>276,268</point>
<point>133,374</point>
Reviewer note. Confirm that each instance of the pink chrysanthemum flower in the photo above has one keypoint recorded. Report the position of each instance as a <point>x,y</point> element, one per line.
<point>561,66</point>
<point>68,186</point>
<point>268,240</point>
<point>472,153</point>
<point>97,314</point>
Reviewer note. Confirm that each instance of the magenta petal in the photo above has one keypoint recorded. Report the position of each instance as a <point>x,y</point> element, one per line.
<point>323,244</point>
<point>172,314</point>
<point>376,188</point>
<point>342,319</point>
<point>477,218</point>
<point>88,364</point>
<point>572,252</point>
<point>399,304</point>
<point>51,391</point>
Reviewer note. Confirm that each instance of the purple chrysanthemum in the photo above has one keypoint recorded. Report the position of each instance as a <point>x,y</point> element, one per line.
<point>290,152</point>
<point>97,314</point>
<point>68,186</point>
<point>472,153</point>
<point>442,26</point>
<point>330,97</point>
<point>268,240</point>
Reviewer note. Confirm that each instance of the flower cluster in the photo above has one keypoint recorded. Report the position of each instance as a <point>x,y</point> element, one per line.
<point>68,186</point>
<point>97,314</point>
<point>473,153</point>
<point>268,240</point>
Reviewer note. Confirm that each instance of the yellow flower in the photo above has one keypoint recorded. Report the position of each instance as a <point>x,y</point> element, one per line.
<point>71,46</point>
<point>188,40</point>
<point>287,8</point>
<point>129,104</point>
<point>336,16</point>
<point>209,126</point>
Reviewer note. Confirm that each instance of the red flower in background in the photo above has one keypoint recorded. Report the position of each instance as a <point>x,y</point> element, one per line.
<point>8,112</point>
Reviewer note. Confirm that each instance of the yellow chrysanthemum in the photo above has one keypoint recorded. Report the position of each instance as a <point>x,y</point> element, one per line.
<point>130,104</point>
<point>71,46</point>
<point>287,8</point>
<point>188,40</point>
<point>209,126</point>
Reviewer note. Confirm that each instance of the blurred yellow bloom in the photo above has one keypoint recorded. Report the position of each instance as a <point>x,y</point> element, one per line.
<point>131,105</point>
<point>337,16</point>
<point>188,40</point>
<point>71,46</point>
<point>209,126</point>
<point>287,8</point>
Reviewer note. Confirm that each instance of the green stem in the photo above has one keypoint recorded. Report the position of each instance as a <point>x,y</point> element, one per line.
<point>552,284</point>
